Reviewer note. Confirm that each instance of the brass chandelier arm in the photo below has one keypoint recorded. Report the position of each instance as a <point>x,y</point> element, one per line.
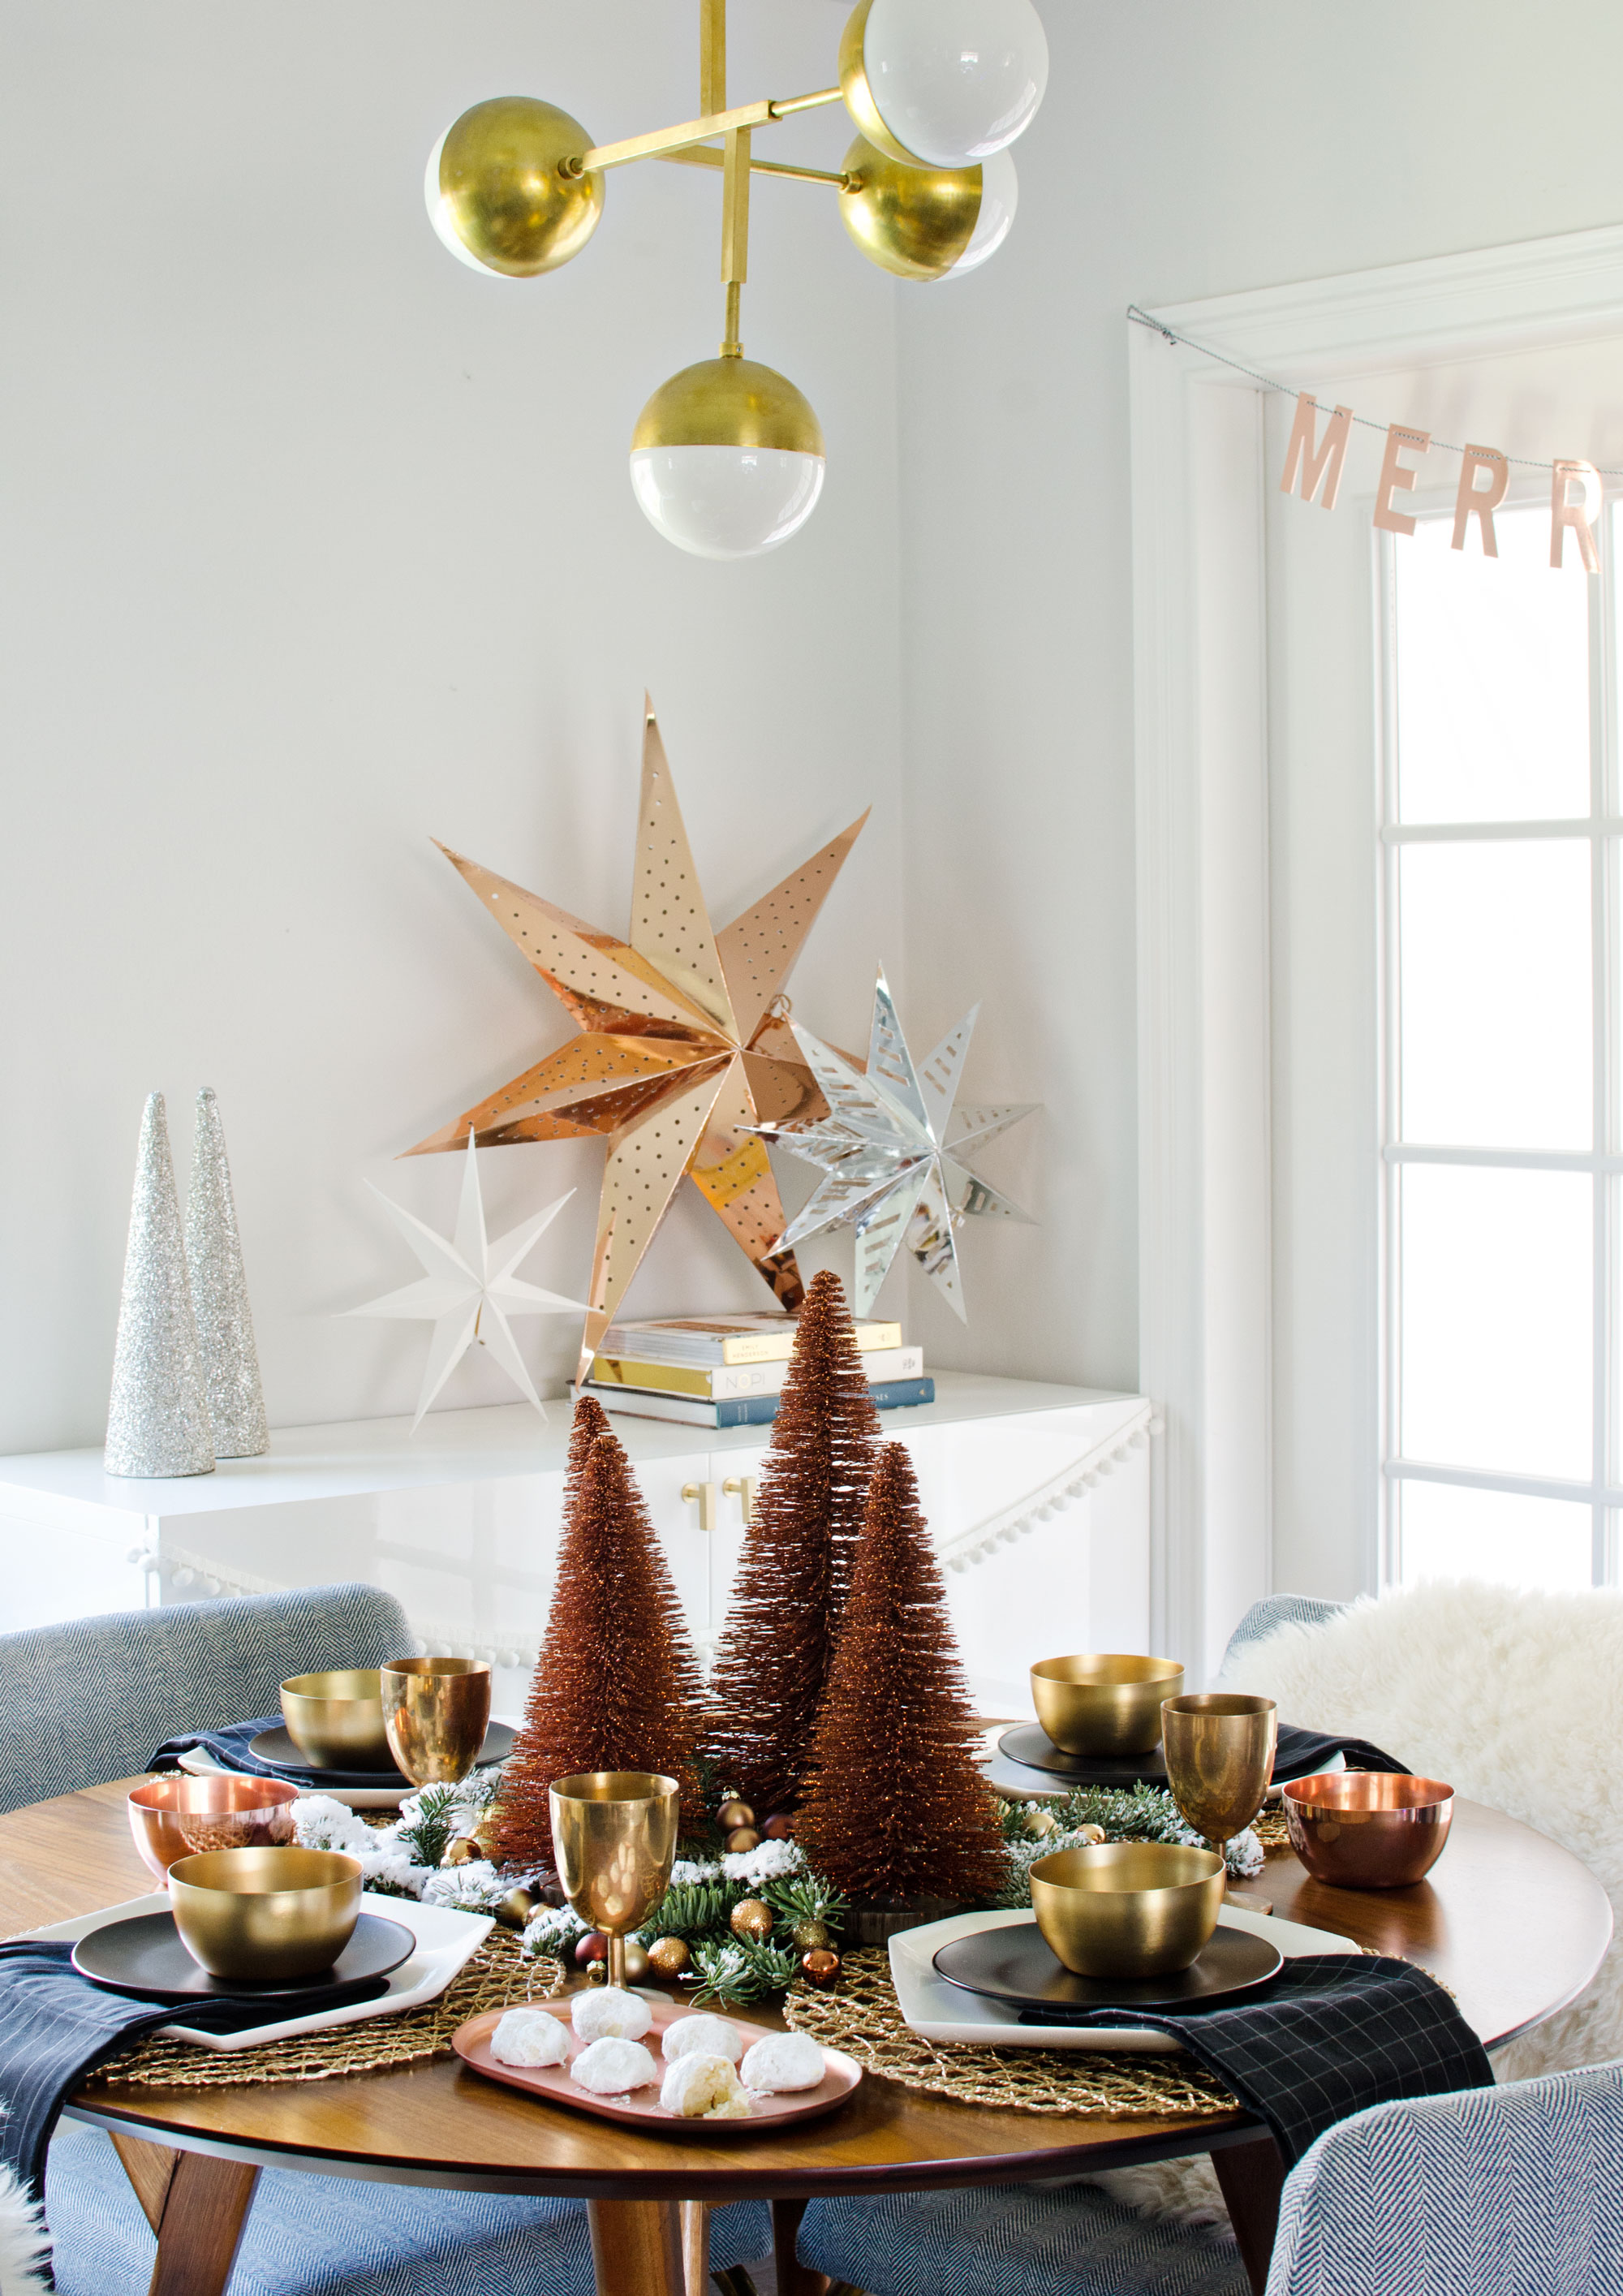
<point>661,140</point>
<point>709,155</point>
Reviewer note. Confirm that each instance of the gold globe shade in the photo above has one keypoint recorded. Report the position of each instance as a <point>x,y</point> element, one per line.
<point>501,192</point>
<point>730,402</point>
<point>914,221</point>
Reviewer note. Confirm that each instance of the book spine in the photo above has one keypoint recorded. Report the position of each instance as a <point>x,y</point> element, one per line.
<point>653,1345</point>
<point>764,1348</point>
<point>721,1382</point>
<point>901,1394</point>
<point>741,1410</point>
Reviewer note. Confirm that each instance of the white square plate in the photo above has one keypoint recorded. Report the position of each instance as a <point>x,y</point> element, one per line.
<point>445,1941</point>
<point>940,2011</point>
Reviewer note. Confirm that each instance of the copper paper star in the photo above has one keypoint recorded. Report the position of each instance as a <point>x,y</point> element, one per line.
<point>894,1148</point>
<point>680,1054</point>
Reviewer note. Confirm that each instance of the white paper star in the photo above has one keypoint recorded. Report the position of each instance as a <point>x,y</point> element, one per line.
<point>892,1146</point>
<point>469,1289</point>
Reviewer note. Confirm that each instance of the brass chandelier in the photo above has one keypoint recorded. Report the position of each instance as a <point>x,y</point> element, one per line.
<point>727,457</point>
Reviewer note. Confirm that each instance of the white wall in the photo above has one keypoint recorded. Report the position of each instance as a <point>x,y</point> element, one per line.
<point>1183,150</point>
<point>316,544</point>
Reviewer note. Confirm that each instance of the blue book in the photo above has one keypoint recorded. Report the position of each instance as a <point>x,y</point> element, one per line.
<point>739,1410</point>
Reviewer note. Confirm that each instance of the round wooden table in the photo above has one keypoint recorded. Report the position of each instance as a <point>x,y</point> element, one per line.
<point>1514,1925</point>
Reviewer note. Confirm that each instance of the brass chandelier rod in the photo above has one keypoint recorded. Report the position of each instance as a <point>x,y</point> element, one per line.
<point>659,141</point>
<point>710,155</point>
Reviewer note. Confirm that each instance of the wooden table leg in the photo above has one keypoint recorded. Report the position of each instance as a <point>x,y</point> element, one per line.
<point>792,2276</point>
<point>636,2248</point>
<point>696,2247</point>
<point>1252,2176</point>
<point>196,2206</point>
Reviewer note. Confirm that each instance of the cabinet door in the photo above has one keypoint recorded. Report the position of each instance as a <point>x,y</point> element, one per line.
<point>685,1543</point>
<point>742,1467</point>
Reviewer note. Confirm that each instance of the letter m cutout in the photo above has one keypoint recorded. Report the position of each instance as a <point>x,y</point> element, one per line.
<point>1312,463</point>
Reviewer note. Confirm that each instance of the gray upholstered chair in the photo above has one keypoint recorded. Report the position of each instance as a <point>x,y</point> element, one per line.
<point>1515,2191</point>
<point>88,1700</point>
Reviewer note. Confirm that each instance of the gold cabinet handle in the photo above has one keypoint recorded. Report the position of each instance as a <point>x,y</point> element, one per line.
<point>705,1493</point>
<point>743,1488</point>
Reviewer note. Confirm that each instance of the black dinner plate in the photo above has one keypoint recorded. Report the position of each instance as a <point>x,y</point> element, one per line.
<point>144,1955</point>
<point>1031,1746</point>
<point>1015,1965</point>
<point>277,1747</point>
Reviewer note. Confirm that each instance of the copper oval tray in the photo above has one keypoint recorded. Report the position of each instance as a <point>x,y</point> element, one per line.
<point>551,2085</point>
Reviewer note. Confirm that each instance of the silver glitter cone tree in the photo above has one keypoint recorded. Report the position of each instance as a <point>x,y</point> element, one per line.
<point>157,1421</point>
<point>219,1296</point>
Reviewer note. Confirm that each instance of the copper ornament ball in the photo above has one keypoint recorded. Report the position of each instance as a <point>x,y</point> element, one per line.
<point>593,1947</point>
<point>820,1968</point>
<point>744,1838</point>
<point>780,1826</point>
<point>732,1815</point>
<point>750,1919</point>
<point>668,1957</point>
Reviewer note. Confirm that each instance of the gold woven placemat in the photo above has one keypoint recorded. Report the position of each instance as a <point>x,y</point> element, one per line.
<point>862,2017</point>
<point>1270,1828</point>
<point>493,1978</point>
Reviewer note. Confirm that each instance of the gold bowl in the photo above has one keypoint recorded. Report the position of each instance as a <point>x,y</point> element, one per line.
<point>1363,1829</point>
<point>336,1720</point>
<point>1104,1701</point>
<point>266,1915</point>
<point>177,1817</point>
<point>1127,1908</point>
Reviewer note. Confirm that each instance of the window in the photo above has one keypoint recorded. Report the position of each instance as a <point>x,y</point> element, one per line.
<point>1503,1145</point>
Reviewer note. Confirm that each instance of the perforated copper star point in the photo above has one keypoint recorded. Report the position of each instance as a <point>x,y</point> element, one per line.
<point>681,1051</point>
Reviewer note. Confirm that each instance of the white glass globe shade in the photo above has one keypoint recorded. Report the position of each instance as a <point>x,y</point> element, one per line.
<point>727,502</point>
<point>439,215</point>
<point>955,80</point>
<point>999,197</point>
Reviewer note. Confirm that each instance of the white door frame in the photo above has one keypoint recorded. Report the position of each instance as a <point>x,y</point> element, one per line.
<point>1201,768</point>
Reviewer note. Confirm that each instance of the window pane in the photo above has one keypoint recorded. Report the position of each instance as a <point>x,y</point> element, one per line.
<point>1450,1533</point>
<point>1496,1319</point>
<point>1492,676</point>
<point>1494,971</point>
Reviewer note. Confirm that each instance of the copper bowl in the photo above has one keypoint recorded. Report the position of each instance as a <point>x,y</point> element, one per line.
<point>1104,1702</point>
<point>1364,1830</point>
<point>336,1720</point>
<point>266,1915</point>
<point>178,1816</point>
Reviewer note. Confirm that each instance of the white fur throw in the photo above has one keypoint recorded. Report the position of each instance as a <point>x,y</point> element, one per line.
<point>24,2242</point>
<point>1516,1699</point>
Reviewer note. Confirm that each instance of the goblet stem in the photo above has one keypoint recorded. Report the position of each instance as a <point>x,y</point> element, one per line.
<point>616,1960</point>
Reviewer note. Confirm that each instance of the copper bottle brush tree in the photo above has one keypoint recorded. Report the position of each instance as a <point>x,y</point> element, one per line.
<point>777,1647</point>
<point>896,1809</point>
<point>616,1686</point>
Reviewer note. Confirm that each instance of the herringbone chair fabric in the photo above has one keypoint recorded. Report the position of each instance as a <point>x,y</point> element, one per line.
<point>1506,2192</point>
<point>310,2236</point>
<point>1274,1611</point>
<point>91,1700</point>
<point>1015,2240</point>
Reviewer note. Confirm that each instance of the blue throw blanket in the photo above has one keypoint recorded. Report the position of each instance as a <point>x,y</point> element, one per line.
<point>1334,2033</point>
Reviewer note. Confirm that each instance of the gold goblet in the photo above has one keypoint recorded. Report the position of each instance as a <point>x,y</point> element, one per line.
<point>435,1711</point>
<point>1219,1746</point>
<point>614,1838</point>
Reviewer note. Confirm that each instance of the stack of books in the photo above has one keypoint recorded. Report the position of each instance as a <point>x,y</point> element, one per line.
<point>726,1370</point>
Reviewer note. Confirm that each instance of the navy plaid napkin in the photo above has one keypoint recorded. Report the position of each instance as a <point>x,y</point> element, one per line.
<point>1300,1752</point>
<point>233,1749</point>
<point>1335,2032</point>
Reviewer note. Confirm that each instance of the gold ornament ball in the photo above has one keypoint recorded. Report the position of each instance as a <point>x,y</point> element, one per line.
<point>669,1958</point>
<point>637,1961</point>
<point>752,1920</point>
<point>597,1972</point>
<point>1040,1823</point>
<point>914,221</point>
<point>820,1968</point>
<point>518,1908</point>
<point>1091,1833</point>
<point>495,192</point>
<point>812,1937</point>
<point>745,1839</point>
<point>462,1851</point>
<point>732,1815</point>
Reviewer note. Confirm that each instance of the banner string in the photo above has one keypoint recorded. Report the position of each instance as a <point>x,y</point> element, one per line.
<point>1291,391</point>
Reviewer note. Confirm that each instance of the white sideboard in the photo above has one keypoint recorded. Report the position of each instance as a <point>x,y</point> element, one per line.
<point>1038,1499</point>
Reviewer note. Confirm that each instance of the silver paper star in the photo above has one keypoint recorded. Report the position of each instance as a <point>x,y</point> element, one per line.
<point>469,1289</point>
<point>893,1148</point>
